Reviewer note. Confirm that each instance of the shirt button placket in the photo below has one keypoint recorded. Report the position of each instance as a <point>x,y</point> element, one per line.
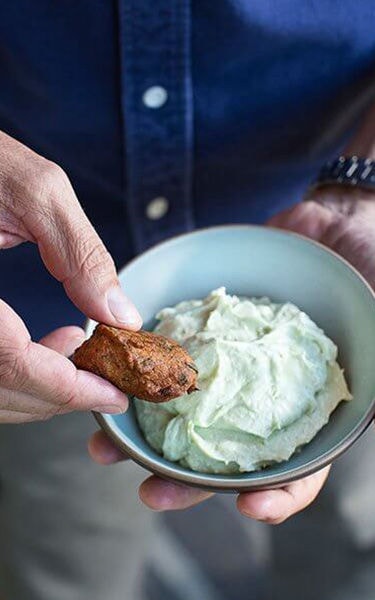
<point>157,108</point>
<point>155,97</point>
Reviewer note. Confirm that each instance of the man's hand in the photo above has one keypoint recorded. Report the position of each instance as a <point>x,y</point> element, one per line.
<point>38,204</point>
<point>344,220</point>
<point>270,506</point>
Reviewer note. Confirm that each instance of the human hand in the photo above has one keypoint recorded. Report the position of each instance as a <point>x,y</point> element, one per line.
<point>341,218</point>
<point>270,506</point>
<point>38,204</point>
<point>344,220</point>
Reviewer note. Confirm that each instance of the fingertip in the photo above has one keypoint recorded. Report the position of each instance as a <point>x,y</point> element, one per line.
<point>71,331</point>
<point>74,331</point>
<point>103,451</point>
<point>261,506</point>
<point>148,498</point>
<point>161,495</point>
<point>109,409</point>
<point>123,310</point>
<point>64,340</point>
<point>95,393</point>
<point>277,505</point>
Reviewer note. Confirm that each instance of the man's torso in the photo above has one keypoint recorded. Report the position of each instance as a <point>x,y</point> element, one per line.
<point>259,94</point>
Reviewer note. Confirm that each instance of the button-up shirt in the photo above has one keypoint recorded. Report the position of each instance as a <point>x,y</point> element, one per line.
<point>169,115</point>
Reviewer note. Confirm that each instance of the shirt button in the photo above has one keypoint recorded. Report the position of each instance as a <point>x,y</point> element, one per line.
<point>157,208</point>
<point>155,97</point>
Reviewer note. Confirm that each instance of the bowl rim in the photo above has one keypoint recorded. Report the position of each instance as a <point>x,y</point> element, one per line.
<point>221,482</point>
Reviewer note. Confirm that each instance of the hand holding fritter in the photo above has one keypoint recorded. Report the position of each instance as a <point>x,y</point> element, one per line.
<point>142,364</point>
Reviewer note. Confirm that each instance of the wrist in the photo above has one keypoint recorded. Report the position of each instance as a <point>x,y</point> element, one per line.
<point>342,200</point>
<point>340,192</point>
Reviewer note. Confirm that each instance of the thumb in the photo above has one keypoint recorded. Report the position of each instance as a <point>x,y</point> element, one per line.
<point>307,218</point>
<point>64,340</point>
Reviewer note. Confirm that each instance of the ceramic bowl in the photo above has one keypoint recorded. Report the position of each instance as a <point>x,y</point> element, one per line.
<point>259,261</point>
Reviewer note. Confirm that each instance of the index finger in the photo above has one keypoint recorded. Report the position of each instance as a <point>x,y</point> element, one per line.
<point>103,451</point>
<point>74,254</point>
<point>156,493</point>
<point>40,204</point>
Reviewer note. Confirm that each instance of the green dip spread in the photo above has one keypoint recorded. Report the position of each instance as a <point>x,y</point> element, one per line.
<point>268,382</point>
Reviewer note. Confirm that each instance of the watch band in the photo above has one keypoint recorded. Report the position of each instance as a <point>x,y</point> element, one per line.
<point>347,170</point>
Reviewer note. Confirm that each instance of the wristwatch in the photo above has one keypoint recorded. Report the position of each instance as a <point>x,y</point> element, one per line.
<point>347,170</point>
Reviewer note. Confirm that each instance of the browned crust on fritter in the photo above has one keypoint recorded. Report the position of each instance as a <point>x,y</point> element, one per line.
<point>142,364</point>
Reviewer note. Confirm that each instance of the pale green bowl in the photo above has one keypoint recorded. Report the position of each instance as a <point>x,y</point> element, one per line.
<point>258,261</point>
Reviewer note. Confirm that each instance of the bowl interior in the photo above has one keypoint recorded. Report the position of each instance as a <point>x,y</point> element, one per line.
<point>257,261</point>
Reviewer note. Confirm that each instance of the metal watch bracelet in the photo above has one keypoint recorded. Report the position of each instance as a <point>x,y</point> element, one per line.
<point>349,171</point>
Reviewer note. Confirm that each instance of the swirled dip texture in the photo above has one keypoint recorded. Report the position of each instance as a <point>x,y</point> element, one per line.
<point>268,381</point>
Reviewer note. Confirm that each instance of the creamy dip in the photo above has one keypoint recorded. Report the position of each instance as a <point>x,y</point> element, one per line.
<point>268,382</point>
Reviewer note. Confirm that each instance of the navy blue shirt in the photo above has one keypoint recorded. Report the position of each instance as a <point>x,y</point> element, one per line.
<point>252,97</point>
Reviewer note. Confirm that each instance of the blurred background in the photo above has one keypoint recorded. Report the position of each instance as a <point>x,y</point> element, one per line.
<point>211,552</point>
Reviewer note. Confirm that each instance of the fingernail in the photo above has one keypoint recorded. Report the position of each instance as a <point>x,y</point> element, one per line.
<point>110,455</point>
<point>261,511</point>
<point>110,409</point>
<point>122,309</point>
<point>73,344</point>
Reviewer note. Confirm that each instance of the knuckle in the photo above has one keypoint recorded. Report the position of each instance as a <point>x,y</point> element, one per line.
<point>51,195</point>
<point>48,183</point>
<point>49,414</point>
<point>67,404</point>
<point>51,176</point>
<point>92,258</point>
<point>309,207</point>
<point>65,398</point>
<point>33,417</point>
<point>5,402</point>
<point>13,372</point>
